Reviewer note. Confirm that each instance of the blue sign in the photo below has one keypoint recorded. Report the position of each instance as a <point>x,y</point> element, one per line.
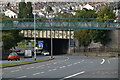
<point>40,44</point>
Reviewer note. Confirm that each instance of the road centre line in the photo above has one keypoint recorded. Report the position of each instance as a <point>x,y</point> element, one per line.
<point>63,67</point>
<point>22,77</point>
<point>69,65</point>
<point>103,61</point>
<point>54,69</point>
<point>73,75</point>
<point>36,74</point>
<point>30,68</point>
<point>15,71</point>
<point>42,72</point>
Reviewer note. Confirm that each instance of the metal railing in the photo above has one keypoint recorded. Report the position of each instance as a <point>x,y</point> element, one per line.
<point>60,23</point>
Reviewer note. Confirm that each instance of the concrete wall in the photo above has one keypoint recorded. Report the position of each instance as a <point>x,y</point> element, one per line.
<point>115,41</point>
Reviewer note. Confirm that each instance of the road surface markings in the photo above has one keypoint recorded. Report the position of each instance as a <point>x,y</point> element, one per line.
<point>42,72</point>
<point>22,77</point>
<point>8,68</point>
<point>55,63</point>
<point>108,61</point>
<point>54,69</point>
<point>75,63</point>
<point>38,66</point>
<point>49,70</point>
<point>79,62</point>
<point>63,67</point>
<point>30,68</point>
<point>73,75</point>
<point>36,74</point>
<point>69,65</point>
<point>103,61</point>
<point>15,71</point>
<point>47,64</point>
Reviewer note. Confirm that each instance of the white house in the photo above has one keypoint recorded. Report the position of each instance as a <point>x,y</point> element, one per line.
<point>10,14</point>
<point>88,7</point>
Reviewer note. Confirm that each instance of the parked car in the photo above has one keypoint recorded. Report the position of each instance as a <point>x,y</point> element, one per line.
<point>13,56</point>
<point>45,53</point>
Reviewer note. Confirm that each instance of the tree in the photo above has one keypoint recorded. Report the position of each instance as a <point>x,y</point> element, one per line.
<point>25,10</point>
<point>83,36</point>
<point>29,10</point>
<point>22,13</point>
<point>10,38</point>
<point>103,35</point>
<point>49,9</point>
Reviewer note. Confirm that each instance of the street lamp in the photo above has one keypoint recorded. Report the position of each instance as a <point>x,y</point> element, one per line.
<point>51,45</point>
<point>34,36</point>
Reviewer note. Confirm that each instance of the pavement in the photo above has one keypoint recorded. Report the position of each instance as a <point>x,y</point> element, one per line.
<point>65,68</point>
<point>22,59</point>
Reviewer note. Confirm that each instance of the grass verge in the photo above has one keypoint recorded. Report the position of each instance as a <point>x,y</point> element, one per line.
<point>21,63</point>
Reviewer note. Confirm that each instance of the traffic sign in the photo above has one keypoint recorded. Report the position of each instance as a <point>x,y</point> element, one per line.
<point>40,44</point>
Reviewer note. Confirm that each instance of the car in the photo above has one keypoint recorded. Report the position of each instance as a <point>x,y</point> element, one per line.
<point>45,53</point>
<point>13,56</point>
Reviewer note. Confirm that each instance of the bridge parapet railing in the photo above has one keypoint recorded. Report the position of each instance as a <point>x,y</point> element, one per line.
<point>61,23</point>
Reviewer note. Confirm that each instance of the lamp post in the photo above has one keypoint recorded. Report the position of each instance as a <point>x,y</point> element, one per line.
<point>51,45</point>
<point>34,36</point>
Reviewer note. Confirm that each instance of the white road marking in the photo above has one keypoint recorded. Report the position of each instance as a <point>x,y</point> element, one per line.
<point>15,71</point>
<point>54,69</point>
<point>42,72</point>
<point>38,66</point>
<point>36,74</point>
<point>69,65</point>
<point>7,68</point>
<point>108,61</point>
<point>49,70</point>
<point>79,62</point>
<point>73,75</point>
<point>75,63</point>
<point>63,67</point>
<point>19,67</point>
<point>103,61</point>
<point>30,68</point>
<point>22,77</point>
<point>55,63</point>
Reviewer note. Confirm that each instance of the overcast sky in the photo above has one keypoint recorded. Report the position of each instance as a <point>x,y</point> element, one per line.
<point>61,0</point>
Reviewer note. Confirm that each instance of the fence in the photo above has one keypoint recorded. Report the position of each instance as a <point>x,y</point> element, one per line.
<point>103,52</point>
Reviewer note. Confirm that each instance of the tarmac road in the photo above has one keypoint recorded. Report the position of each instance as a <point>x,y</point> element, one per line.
<point>65,68</point>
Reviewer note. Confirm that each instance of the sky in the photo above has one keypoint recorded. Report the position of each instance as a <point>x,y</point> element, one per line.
<point>61,0</point>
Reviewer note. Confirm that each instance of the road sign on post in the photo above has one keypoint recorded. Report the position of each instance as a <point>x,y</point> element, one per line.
<point>40,44</point>
<point>28,53</point>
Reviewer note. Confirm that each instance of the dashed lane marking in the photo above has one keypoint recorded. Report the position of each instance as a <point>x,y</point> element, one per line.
<point>15,71</point>
<point>22,77</point>
<point>63,67</point>
<point>36,74</point>
<point>30,68</point>
<point>73,75</point>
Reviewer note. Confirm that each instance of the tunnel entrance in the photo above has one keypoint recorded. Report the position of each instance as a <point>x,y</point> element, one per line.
<point>60,46</point>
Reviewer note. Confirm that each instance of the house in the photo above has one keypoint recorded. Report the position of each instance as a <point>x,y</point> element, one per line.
<point>10,13</point>
<point>88,7</point>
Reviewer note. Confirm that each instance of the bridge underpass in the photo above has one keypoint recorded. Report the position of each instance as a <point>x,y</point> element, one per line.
<point>60,39</point>
<point>60,46</point>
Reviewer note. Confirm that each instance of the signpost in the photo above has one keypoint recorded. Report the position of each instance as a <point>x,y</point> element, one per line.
<point>28,53</point>
<point>40,44</point>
